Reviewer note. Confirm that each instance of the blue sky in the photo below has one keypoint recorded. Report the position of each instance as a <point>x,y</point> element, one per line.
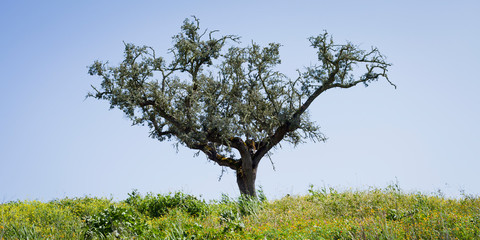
<point>425,134</point>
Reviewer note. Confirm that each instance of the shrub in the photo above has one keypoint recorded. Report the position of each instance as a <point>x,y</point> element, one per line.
<point>116,221</point>
<point>159,205</point>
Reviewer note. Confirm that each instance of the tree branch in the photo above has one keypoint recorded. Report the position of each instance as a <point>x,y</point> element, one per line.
<point>164,114</point>
<point>213,155</point>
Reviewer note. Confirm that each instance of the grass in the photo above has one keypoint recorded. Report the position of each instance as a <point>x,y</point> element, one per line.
<point>321,214</point>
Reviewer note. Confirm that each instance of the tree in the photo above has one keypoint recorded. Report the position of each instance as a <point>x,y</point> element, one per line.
<point>232,105</point>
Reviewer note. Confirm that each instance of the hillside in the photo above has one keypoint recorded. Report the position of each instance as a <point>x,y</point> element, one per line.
<point>322,214</point>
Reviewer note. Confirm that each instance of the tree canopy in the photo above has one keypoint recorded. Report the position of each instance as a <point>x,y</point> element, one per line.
<point>231,104</point>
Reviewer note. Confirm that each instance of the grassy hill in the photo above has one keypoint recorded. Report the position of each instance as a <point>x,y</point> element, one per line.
<point>322,214</point>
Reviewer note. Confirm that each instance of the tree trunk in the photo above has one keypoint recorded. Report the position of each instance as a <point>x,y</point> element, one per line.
<point>246,181</point>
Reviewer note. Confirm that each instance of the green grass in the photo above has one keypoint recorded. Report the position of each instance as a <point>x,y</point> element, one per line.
<point>322,214</point>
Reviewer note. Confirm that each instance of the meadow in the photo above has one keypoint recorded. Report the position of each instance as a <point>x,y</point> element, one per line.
<point>323,213</point>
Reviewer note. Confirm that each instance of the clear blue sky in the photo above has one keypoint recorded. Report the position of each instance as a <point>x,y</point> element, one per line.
<point>426,134</point>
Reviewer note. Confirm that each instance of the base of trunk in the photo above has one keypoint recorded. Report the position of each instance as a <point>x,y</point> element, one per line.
<point>246,182</point>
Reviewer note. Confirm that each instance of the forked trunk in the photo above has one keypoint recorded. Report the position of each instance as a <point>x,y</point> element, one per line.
<point>246,181</point>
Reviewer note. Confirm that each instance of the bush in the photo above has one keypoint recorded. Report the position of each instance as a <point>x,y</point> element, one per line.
<point>116,221</point>
<point>159,205</point>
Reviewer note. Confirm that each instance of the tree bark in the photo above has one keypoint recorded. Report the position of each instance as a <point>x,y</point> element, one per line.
<point>246,181</point>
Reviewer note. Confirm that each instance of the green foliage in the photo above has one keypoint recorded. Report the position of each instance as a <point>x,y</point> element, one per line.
<point>114,221</point>
<point>324,213</point>
<point>37,220</point>
<point>159,205</point>
<point>231,104</point>
<point>248,206</point>
<point>83,207</point>
<point>242,95</point>
<point>261,195</point>
<point>232,212</point>
<point>20,232</point>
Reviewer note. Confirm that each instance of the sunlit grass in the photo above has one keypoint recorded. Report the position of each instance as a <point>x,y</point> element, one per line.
<point>322,214</point>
